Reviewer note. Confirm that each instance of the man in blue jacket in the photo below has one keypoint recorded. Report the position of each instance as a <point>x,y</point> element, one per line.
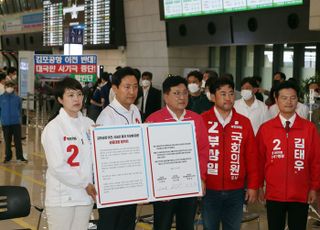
<point>10,110</point>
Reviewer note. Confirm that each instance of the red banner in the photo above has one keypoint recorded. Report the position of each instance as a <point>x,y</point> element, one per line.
<point>65,69</point>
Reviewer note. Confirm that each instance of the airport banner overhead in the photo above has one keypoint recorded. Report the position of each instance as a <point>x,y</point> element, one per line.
<point>55,67</point>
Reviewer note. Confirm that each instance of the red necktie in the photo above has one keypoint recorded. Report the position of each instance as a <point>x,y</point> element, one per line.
<point>287,128</point>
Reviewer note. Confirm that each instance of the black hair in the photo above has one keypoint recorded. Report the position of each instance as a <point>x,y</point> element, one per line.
<point>222,81</point>
<point>211,74</point>
<point>282,75</point>
<point>196,74</point>
<point>138,73</point>
<point>2,76</point>
<point>123,72</point>
<point>249,80</point>
<point>11,69</point>
<point>104,76</point>
<point>148,74</point>
<point>286,85</point>
<point>9,84</point>
<point>228,76</point>
<point>59,89</point>
<point>257,78</point>
<point>66,83</point>
<point>172,82</point>
<point>210,81</point>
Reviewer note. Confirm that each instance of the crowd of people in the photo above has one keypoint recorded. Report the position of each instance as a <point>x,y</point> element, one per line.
<point>246,152</point>
<point>249,149</point>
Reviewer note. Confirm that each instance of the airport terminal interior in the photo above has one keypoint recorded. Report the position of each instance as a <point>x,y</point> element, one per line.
<point>164,37</point>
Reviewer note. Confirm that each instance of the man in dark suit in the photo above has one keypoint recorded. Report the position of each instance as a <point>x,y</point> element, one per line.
<point>151,98</point>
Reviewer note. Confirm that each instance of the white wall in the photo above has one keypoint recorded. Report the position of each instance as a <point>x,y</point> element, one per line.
<point>146,38</point>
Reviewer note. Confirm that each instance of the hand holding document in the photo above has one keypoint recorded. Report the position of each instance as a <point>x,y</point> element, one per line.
<point>143,163</point>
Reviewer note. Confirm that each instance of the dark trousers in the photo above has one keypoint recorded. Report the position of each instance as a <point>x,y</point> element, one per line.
<point>8,132</point>
<point>277,212</point>
<point>184,209</point>
<point>117,218</point>
<point>224,207</point>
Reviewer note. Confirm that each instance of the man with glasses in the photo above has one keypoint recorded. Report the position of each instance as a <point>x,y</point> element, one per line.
<point>233,160</point>
<point>175,94</point>
<point>289,162</point>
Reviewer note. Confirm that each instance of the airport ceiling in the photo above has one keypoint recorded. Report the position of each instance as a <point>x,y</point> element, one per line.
<point>18,6</point>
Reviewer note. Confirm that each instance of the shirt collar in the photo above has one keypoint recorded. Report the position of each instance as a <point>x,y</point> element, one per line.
<point>254,104</point>
<point>283,120</point>
<point>222,121</point>
<point>175,116</point>
<point>146,89</point>
<point>121,107</point>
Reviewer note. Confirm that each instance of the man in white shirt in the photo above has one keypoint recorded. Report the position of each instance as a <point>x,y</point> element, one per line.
<point>121,111</point>
<point>249,106</point>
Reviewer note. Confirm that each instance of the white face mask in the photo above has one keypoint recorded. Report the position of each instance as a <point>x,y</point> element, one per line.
<point>246,94</point>
<point>208,94</point>
<point>9,89</point>
<point>145,83</point>
<point>193,87</point>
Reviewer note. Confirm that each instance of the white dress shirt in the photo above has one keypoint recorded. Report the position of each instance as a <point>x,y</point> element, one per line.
<point>221,120</point>
<point>257,113</point>
<point>116,114</point>
<point>283,120</point>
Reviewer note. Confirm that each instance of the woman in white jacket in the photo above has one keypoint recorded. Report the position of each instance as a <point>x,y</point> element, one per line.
<point>65,139</point>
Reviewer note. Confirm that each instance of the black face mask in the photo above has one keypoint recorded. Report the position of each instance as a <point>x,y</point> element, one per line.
<point>275,82</point>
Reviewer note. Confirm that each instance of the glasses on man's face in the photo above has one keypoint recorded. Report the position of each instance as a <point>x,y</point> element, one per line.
<point>178,94</point>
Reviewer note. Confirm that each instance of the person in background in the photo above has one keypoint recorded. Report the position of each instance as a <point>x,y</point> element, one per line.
<point>258,94</point>
<point>175,94</point>
<point>278,77</point>
<point>12,75</point>
<point>315,119</point>
<point>255,110</point>
<point>231,78</point>
<point>206,75</point>
<point>198,102</point>
<point>105,88</point>
<point>209,83</point>
<point>121,111</point>
<point>65,139</point>
<point>10,111</point>
<point>315,109</point>
<point>2,82</point>
<point>151,97</point>
<point>96,101</point>
<point>289,160</point>
<point>233,161</point>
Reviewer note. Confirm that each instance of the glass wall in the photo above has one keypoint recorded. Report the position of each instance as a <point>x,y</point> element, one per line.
<point>266,62</point>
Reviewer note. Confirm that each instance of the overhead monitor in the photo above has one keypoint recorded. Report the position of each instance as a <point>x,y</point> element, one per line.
<point>187,8</point>
<point>93,15</point>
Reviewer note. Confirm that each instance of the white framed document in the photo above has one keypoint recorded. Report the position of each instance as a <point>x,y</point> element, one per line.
<point>145,162</point>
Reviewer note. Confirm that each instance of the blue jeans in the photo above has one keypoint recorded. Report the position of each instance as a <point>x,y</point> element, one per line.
<point>222,206</point>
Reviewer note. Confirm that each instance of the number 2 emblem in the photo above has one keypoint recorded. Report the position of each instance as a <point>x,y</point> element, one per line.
<point>74,153</point>
<point>277,143</point>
